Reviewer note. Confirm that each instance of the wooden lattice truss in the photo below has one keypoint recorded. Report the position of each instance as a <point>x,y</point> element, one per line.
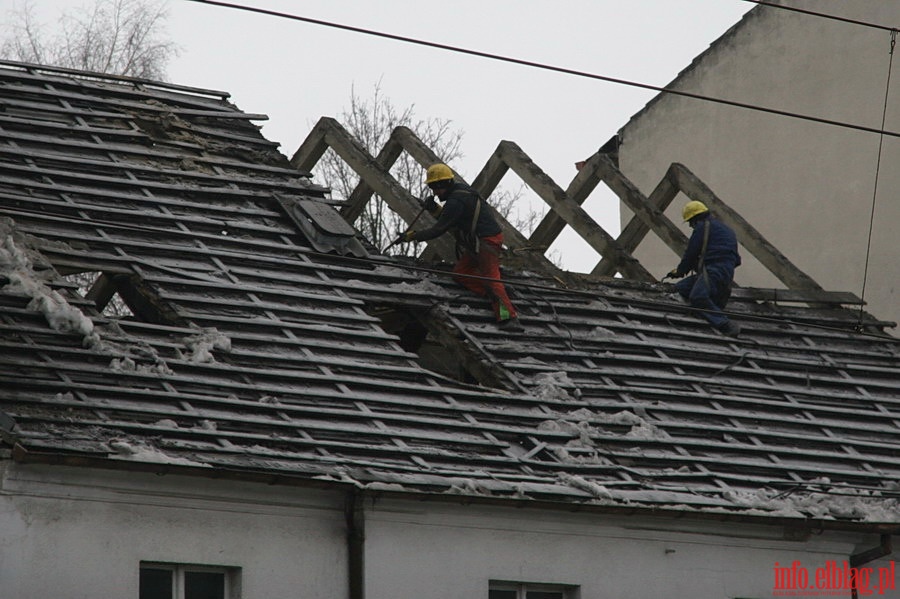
<point>565,207</point>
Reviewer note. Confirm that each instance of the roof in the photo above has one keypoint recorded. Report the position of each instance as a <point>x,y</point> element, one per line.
<point>250,349</point>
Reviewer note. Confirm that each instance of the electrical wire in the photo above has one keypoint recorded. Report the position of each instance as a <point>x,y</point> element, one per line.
<point>823,15</point>
<point>887,90</point>
<point>548,67</point>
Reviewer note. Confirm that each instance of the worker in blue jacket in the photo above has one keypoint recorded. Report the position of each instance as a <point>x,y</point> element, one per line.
<point>712,255</point>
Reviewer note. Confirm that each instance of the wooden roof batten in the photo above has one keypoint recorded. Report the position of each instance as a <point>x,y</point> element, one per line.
<point>565,207</point>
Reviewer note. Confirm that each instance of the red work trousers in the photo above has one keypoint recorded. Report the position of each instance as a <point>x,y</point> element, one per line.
<point>486,264</point>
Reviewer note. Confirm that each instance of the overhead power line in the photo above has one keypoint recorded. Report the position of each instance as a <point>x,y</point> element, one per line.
<point>548,67</point>
<point>823,15</point>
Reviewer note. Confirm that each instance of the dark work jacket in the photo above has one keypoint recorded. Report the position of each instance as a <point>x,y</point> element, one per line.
<point>457,215</point>
<point>721,249</point>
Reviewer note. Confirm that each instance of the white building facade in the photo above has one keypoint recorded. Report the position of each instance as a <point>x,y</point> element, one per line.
<point>77,534</point>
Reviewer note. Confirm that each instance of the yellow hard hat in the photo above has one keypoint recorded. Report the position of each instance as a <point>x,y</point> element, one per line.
<point>692,209</point>
<point>437,172</point>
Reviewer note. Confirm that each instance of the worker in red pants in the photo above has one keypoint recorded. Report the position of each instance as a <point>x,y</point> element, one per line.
<point>479,240</point>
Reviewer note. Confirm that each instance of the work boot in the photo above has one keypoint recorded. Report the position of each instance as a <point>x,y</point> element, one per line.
<point>730,328</point>
<point>511,324</point>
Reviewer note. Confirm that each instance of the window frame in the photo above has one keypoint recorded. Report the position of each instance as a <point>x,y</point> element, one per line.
<point>566,591</point>
<point>230,575</point>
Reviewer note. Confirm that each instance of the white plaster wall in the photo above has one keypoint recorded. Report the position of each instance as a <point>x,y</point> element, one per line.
<point>69,534</point>
<point>433,551</point>
<point>807,187</point>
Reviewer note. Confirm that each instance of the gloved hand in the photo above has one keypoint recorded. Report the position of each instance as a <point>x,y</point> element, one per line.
<point>433,208</point>
<point>672,274</point>
<point>406,236</point>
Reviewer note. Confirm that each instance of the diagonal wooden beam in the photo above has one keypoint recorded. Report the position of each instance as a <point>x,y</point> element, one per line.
<point>415,147</point>
<point>313,147</point>
<point>362,193</point>
<point>636,229</point>
<point>585,181</point>
<point>329,133</point>
<point>491,174</point>
<point>570,211</point>
<point>749,237</point>
<point>643,209</point>
<point>468,351</point>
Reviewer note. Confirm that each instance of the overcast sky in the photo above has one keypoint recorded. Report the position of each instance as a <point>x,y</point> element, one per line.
<point>296,72</point>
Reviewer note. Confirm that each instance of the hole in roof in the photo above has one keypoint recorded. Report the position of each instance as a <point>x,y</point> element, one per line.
<point>414,337</point>
<point>100,288</point>
<point>120,296</point>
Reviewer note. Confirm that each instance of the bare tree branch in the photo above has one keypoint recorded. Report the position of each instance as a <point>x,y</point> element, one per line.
<point>121,37</point>
<point>372,121</point>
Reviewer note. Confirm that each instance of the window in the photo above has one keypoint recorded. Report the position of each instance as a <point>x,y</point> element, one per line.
<point>174,581</point>
<point>527,590</point>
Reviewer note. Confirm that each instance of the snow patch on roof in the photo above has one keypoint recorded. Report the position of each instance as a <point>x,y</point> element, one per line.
<point>552,385</point>
<point>837,502</point>
<point>16,265</point>
<point>597,490</point>
<point>422,287</point>
<point>140,452</point>
<point>199,347</point>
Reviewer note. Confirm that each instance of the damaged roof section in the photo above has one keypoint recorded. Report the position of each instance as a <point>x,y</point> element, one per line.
<point>252,348</point>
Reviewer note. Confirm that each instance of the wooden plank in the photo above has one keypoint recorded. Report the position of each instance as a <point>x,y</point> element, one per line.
<point>817,296</point>
<point>581,186</point>
<point>114,143</point>
<point>44,131</point>
<point>362,193</point>
<point>287,294</point>
<point>356,439</point>
<point>531,255</point>
<point>110,199</point>
<point>636,229</point>
<point>24,71</point>
<point>428,398</point>
<point>190,181</point>
<point>234,220</point>
<point>246,416</point>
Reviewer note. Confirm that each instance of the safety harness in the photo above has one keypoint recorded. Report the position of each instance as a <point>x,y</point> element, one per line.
<point>724,294</point>
<point>476,241</point>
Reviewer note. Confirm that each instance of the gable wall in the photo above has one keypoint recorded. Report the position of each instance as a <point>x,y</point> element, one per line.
<point>808,187</point>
